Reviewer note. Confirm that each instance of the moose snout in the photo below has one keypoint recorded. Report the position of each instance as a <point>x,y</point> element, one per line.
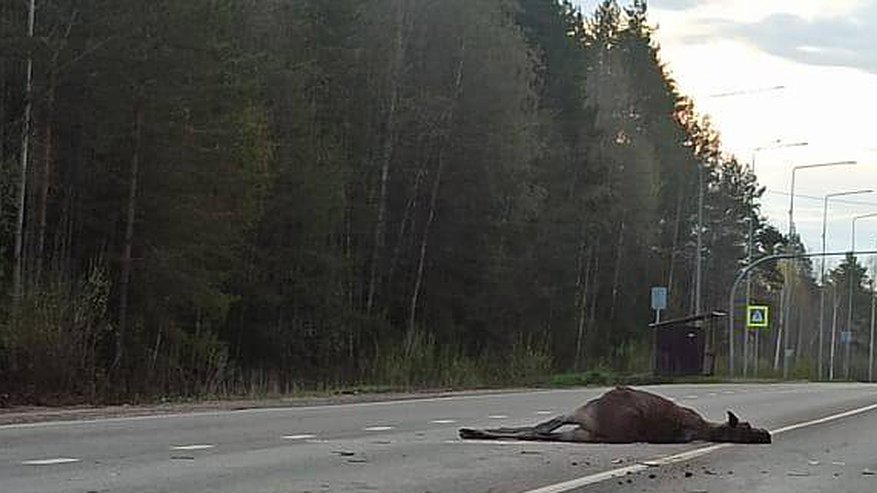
<point>762,436</point>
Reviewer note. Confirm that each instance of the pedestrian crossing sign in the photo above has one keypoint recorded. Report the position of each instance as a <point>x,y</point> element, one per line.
<point>757,316</point>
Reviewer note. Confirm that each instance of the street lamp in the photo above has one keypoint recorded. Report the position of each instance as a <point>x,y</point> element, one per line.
<point>792,188</point>
<point>850,293</point>
<point>746,91</point>
<point>822,271</point>
<point>777,144</point>
<point>782,333</point>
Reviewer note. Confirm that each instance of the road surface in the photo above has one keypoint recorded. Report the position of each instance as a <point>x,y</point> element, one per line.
<point>826,441</point>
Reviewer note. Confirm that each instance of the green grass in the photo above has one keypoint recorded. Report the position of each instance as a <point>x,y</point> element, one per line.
<point>602,378</point>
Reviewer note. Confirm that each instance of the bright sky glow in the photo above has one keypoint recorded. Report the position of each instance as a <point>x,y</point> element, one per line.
<point>822,52</point>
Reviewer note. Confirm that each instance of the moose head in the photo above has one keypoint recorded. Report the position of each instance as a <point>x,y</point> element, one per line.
<point>735,431</point>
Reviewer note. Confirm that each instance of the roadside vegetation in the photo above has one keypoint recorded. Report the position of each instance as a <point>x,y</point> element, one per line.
<point>235,197</point>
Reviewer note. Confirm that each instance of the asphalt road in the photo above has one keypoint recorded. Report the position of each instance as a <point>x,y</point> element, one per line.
<point>827,441</point>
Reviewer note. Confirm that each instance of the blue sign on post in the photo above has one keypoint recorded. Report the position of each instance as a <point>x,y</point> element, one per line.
<point>846,336</point>
<point>659,298</point>
<point>659,301</point>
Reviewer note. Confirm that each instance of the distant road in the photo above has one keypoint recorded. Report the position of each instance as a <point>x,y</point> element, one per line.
<point>827,442</point>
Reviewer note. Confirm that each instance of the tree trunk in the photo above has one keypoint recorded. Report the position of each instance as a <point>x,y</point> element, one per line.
<point>583,307</point>
<point>447,122</point>
<point>407,217</point>
<point>671,271</point>
<point>45,177</point>
<point>48,144</point>
<point>17,273</point>
<point>386,153</point>
<point>616,276</point>
<point>125,276</point>
<point>2,116</point>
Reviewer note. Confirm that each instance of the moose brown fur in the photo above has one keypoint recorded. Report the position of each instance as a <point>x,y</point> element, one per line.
<point>626,415</point>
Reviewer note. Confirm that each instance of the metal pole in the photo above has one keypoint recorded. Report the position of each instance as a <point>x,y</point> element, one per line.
<point>777,145</point>
<point>749,275</point>
<point>873,312</point>
<point>833,332</point>
<point>821,357</point>
<point>786,315</point>
<point>850,275</point>
<point>787,283</point>
<point>748,300</point>
<point>871,339</point>
<point>822,288</point>
<point>698,268</point>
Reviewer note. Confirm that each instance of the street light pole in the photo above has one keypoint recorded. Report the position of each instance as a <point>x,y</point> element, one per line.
<point>850,292</point>
<point>873,311</point>
<point>822,273</point>
<point>782,333</point>
<point>750,240</point>
<point>698,268</point>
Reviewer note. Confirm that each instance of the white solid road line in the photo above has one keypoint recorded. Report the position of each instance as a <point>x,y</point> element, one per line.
<point>826,419</point>
<point>49,462</point>
<point>682,457</point>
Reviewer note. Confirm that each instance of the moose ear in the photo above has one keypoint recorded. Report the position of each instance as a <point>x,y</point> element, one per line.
<point>732,419</point>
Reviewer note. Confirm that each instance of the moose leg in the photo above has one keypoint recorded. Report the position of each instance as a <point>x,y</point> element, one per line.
<point>541,431</point>
<point>529,434</point>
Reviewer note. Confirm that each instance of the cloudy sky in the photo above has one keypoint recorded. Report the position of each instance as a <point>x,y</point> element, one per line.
<point>824,53</point>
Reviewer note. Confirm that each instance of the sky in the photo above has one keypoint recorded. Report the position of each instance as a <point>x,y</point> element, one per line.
<point>824,55</point>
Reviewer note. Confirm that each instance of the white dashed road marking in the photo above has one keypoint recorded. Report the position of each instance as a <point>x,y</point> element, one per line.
<point>443,421</point>
<point>497,416</point>
<point>299,437</point>
<point>378,428</point>
<point>691,397</point>
<point>542,413</point>
<point>192,447</point>
<point>49,462</point>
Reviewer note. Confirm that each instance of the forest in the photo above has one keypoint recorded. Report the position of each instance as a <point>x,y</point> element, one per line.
<point>242,197</point>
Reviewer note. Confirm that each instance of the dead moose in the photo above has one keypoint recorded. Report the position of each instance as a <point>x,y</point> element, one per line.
<point>626,415</point>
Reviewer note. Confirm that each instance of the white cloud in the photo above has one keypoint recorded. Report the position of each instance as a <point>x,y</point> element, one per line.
<point>822,53</point>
